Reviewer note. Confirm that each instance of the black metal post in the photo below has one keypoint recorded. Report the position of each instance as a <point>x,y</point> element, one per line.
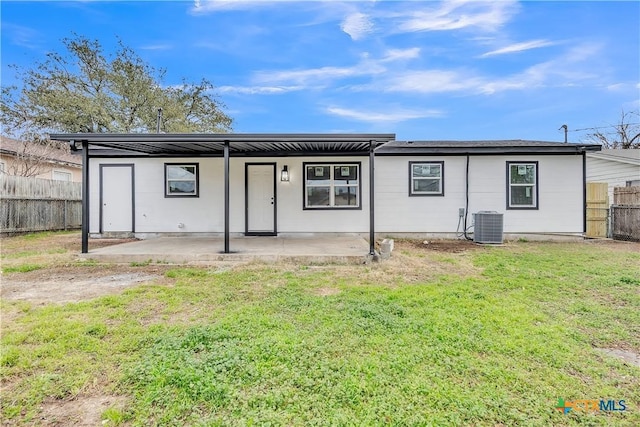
<point>226,197</point>
<point>372,228</point>
<point>85,197</point>
<point>584,191</point>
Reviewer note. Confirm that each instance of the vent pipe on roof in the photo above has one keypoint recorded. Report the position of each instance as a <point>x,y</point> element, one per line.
<point>566,129</point>
<point>158,120</point>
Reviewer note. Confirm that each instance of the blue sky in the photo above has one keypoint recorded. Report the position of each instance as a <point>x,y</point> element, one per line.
<point>421,69</point>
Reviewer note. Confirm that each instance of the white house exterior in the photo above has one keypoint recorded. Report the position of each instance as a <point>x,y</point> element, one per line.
<point>148,185</point>
<point>616,167</point>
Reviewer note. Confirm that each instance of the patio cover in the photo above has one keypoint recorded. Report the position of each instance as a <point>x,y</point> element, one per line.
<point>221,145</point>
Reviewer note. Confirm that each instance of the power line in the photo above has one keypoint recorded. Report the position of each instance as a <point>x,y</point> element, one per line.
<point>602,127</point>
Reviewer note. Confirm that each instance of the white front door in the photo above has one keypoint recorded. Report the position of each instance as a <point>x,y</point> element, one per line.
<point>116,198</point>
<point>260,199</point>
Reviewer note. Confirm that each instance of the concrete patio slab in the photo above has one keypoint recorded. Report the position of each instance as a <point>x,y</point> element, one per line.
<point>203,250</point>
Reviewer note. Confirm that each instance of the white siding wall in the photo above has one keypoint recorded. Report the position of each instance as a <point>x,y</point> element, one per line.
<point>157,214</point>
<point>560,195</point>
<point>616,174</point>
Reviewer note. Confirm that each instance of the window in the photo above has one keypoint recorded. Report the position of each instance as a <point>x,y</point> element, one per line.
<point>181,180</point>
<point>2,167</point>
<point>426,179</point>
<point>522,185</point>
<point>332,186</point>
<point>61,176</point>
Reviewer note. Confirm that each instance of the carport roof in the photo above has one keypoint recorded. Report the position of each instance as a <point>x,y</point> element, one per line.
<point>240,144</point>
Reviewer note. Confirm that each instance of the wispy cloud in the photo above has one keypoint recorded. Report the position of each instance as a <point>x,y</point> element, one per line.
<point>316,75</point>
<point>21,35</point>
<point>357,25</point>
<point>399,54</point>
<point>388,115</point>
<point>159,46</point>
<point>258,90</point>
<point>431,81</point>
<point>518,47</point>
<point>458,14</point>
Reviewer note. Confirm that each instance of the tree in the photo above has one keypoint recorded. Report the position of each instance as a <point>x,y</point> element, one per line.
<point>85,90</point>
<point>624,134</point>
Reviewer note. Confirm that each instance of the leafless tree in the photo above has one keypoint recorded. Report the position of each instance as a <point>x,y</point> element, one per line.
<point>624,134</point>
<point>33,156</point>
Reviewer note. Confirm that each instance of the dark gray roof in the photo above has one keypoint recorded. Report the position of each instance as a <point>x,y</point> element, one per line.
<point>239,144</point>
<point>512,146</point>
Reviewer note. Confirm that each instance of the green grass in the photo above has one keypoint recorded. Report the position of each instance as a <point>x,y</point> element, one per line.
<point>261,346</point>
<point>22,268</point>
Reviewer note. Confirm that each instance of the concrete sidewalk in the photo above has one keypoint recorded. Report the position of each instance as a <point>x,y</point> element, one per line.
<point>203,250</point>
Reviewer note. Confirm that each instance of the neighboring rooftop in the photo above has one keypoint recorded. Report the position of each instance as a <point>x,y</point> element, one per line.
<point>14,147</point>
<point>631,156</point>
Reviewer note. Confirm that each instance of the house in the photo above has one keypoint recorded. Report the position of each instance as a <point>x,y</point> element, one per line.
<point>270,184</point>
<point>38,161</point>
<point>616,167</point>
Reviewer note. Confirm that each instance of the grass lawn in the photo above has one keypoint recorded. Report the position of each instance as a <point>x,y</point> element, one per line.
<point>487,336</point>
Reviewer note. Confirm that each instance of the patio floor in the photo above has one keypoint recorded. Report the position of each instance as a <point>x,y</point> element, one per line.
<point>203,250</point>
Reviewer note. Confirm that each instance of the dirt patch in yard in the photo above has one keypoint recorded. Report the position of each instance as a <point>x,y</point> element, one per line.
<point>81,411</point>
<point>450,246</point>
<point>75,283</point>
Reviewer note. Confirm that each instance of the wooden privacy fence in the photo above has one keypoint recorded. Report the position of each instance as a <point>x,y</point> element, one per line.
<point>625,213</point>
<point>597,209</point>
<point>32,204</point>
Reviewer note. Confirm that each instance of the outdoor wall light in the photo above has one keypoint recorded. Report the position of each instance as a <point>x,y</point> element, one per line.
<point>284,175</point>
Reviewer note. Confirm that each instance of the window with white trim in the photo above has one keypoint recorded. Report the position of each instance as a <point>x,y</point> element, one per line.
<point>426,178</point>
<point>61,175</point>
<point>332,186</point>
<point>522,185</point>
<point>181,180</point>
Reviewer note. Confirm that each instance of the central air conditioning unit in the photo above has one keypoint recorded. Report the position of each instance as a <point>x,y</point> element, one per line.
<point>487,227</point>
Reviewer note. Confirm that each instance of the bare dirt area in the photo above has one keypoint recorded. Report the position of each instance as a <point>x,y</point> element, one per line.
<point>75,283</point>
<point>53,274</point>
<point>81,411</point>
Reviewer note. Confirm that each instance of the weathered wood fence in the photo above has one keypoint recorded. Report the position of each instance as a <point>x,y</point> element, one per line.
<point>625,213</point>
<point>32,204</point>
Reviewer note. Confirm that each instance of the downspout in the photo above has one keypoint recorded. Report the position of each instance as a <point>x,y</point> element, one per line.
<point>372,228</point>
<point>466,200</point>
<point>85,197</point>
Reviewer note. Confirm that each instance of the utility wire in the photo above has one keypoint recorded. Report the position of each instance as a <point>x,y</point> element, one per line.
<point>602,127</point>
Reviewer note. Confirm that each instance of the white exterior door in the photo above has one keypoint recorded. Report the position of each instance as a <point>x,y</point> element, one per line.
<point>116,198</point>
<point>260,199</point>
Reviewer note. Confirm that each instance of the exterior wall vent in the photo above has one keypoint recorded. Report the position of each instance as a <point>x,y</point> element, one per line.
<point>487,227</point>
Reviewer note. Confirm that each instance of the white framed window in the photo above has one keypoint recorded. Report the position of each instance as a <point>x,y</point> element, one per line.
<point>522,185</point>
<point>426,178</point>
<point>3,167</point>
<point>181,180</point>
<point>332,186</point>
<point>58,175</point>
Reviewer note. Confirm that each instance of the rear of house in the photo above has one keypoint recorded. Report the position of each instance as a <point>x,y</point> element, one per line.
<point>271,184</point>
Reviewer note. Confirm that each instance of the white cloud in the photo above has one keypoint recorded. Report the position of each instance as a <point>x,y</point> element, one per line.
<point>258,90</point>
<point>159,46</point>
<point>430,81</point>
<point>390,115</point>
<point>357,25</point>
<point>458,14</point>
<point>315,75</point>
<point>518,47</point>
<point>397,54</point>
